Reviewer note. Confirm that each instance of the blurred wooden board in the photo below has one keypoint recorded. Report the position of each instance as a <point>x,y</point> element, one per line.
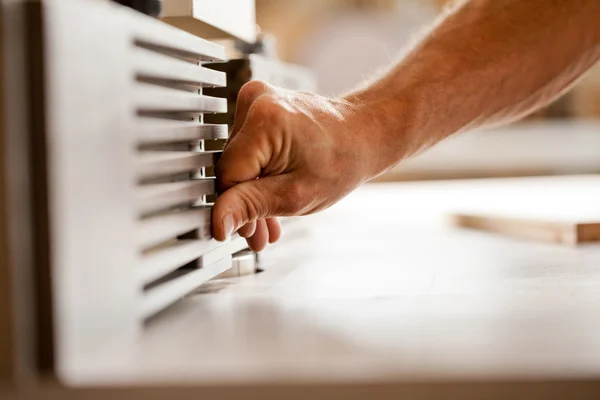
<point>522,149</point>
<point>551,209</point>
<point>548,231</point>
<point>211,19</point>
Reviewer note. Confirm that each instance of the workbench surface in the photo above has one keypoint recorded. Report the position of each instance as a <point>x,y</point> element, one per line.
<point>380,297</point>
<point>381,288</point>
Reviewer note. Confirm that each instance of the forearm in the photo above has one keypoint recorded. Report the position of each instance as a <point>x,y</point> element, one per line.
<point>490,61</point>
<point>487,62</point>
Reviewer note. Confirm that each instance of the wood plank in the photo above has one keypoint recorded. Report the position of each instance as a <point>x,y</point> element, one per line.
<point>564,232</point>
<point>549,231</point>
<point>588,232</point>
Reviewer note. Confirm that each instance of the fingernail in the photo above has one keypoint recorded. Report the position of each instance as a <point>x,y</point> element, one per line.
<point>228,225</point>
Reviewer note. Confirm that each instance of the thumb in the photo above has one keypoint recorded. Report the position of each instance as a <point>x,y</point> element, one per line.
<point>249,201</point>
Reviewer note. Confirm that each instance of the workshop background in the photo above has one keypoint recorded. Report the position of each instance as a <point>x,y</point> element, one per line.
<point>346,41</point>
<point>112,285</point>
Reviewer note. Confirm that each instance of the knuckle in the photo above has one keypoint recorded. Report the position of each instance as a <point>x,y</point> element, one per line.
<point>251,90</point>
<point>253,204</point>
<point>268,108</point>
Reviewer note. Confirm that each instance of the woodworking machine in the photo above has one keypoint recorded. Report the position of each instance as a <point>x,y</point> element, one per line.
<point>113,121</point>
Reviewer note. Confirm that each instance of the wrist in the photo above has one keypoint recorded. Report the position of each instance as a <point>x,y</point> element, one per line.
<point>385,124</point>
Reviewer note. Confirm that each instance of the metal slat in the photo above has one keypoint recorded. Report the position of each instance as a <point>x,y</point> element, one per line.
<point>157,99</point>
<point>153,164</point>
<point>243,263</point>
<point>167,293</point>
<point>160,196</point>
<point>148,64</point>
<point>165,259</point>
<point>161,228</point>
<point>153,130</point>
<point>236,244</point>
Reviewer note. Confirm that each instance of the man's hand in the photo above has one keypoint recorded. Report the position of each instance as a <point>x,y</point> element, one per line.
<point>487,62</point>
<point>290,153</point>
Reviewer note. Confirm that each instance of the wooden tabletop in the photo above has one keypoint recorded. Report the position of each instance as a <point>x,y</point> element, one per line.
<point>381,297</point>
<point>381,288</point>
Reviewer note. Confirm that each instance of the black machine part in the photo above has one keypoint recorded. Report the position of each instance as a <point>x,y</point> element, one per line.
<point>149,7</point>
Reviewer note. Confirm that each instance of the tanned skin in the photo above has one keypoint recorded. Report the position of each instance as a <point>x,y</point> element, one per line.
<point>486,62</point>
